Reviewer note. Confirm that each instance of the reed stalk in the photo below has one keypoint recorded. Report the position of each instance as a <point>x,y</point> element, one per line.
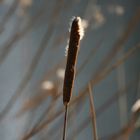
<point>93,113</point>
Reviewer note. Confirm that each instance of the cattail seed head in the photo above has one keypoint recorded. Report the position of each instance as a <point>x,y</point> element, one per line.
<point>76,35</point>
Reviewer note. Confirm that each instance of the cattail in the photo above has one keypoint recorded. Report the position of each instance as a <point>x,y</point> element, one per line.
<point>76,35</point>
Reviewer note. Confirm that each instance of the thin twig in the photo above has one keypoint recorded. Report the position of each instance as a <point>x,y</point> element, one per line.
<point>93,113</point>
<point>65,122</point>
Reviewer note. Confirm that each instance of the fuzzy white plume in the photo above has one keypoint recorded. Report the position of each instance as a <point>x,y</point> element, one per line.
<point>82,24</point>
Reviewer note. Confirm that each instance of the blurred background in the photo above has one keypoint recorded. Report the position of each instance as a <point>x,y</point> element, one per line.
<point>33,37</point>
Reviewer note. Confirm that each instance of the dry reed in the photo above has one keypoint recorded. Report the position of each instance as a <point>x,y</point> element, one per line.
<point>93,113</point>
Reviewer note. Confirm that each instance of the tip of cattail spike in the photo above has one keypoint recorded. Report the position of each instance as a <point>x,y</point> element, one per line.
<point>76,29</point>
<point>80,28</point>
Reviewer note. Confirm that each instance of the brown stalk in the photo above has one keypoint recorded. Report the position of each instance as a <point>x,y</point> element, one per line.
<point>65,122</point>
<point>93,113</point>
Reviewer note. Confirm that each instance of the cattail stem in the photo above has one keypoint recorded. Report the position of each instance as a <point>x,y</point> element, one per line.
<point>65,122</point>
<point>93,114</point>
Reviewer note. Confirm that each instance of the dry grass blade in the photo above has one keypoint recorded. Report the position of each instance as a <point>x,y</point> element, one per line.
<point>93,113</point>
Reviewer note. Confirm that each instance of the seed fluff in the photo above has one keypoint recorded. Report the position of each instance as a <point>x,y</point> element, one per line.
<point>80,30</point>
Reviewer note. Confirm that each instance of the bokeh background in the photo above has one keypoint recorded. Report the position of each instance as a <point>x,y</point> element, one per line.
<point>33,37</point>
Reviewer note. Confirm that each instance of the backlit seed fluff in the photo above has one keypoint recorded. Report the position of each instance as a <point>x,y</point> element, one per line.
<point>81,27</point>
